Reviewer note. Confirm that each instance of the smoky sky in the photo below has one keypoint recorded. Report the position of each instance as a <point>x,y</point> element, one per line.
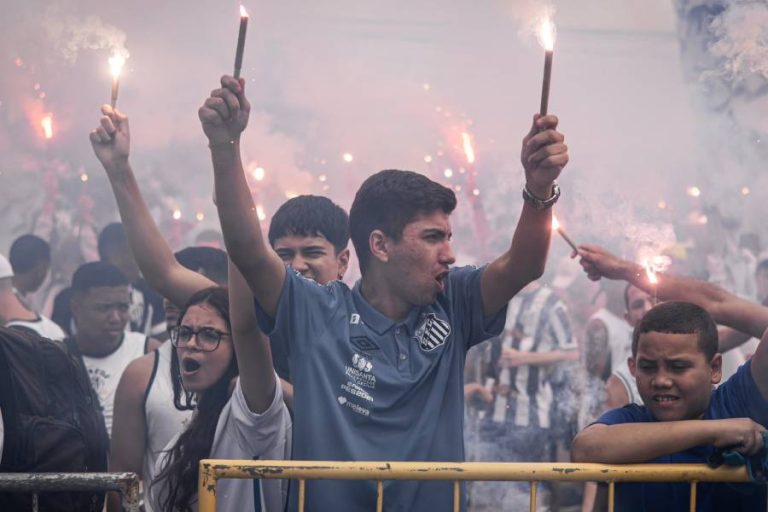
<point>387,82</point>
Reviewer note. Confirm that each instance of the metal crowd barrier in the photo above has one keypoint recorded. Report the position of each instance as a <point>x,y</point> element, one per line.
<point>211,470</point>
<point>127,484</point>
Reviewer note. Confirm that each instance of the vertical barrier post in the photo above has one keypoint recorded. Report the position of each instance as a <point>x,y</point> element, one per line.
<point>611,495</point>
<point>456,496</point>
<point>206,487</point>
<point>693,495</point>
<point>302,491</point>
<point>534,495</point>
<point>379,496</point>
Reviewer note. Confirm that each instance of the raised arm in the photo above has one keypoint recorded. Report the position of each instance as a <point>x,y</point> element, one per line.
<point>251,346</point>
<point>635,443</point>
<point>111,143</point>
<point>224,116</point>
<point>543,156</point>
<point>725,308</point>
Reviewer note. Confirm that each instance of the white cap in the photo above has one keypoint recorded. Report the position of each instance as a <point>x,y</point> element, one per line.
<point>5,267</point>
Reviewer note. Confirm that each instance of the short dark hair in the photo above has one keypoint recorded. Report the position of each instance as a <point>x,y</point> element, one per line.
<point>679,318</point>
<point>309,215</point>
<point>97,274</point>
<point>28,251</point>
<point>389,200</point>
<point>209,261</point>
<point>111,236</point>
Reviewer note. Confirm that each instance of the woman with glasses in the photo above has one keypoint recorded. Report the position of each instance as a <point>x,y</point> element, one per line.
<point>236,416</point>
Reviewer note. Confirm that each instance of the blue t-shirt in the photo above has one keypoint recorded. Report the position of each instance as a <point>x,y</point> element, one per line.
<point>738,397</point>
<point>369,388</point>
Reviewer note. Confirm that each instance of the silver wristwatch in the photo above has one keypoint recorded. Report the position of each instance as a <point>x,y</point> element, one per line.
<point>541,204</point>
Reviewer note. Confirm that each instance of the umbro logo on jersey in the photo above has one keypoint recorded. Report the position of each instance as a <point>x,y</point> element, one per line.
<point>433,332</point>
<point>364,344</point>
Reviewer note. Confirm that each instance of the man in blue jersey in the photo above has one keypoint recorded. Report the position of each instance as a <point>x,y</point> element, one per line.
<point>378,369</point>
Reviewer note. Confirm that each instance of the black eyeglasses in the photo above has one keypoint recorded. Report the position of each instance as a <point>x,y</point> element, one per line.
<point>208,338</point>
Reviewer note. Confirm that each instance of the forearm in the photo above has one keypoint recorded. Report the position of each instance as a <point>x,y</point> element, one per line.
<point>522,263</point>
<point>154,257</point>
<point>725,308</point>
<point>251,346</point>
<point>262,269</point>
<point>237,213</point>
<point>530,243</point>
<point>731,338</point>
<point>635,443</point>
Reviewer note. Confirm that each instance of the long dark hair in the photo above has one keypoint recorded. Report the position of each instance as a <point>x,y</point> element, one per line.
<point>180,469</point>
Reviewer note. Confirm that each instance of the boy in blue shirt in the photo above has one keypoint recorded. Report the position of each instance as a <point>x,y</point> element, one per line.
<point>676,363</point>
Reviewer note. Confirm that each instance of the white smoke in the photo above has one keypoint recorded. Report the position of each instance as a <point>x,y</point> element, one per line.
<point>529,15</point>
<point>71,34</point>
<point>741,46</point>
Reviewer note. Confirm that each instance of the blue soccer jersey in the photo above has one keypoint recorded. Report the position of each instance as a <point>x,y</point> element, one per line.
<point>370,388</point>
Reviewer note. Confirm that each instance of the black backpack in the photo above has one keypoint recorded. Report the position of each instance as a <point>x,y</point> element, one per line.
<point>52,419</point>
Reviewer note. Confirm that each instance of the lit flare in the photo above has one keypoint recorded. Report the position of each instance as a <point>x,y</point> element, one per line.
<point>469,150</point>
<point>547,34</point>
<point>47,124</point>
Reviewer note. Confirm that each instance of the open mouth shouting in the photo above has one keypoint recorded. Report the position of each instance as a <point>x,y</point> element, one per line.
<point>189,366</point>
<point>440,280</point>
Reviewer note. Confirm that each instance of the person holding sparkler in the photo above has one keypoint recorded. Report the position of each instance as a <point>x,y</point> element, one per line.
<point>392,349</point>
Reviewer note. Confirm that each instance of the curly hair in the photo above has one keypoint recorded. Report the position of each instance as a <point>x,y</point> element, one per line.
<point>181,465</point>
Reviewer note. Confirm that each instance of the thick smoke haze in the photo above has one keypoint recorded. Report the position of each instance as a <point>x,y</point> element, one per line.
<point>340,89</point>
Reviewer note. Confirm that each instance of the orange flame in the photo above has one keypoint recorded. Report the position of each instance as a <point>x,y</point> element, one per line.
<point>546,34</point>
<point>116,63</point>
<point>469,151</point>
<point>243,12</point>
<point>47,124</point>
<point>555,223</point>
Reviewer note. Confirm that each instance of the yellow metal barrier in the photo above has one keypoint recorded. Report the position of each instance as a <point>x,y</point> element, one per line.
<point>212,470</point>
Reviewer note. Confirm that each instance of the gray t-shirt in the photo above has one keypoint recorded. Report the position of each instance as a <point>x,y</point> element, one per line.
<point>369,388</point>
<point>242,434</point>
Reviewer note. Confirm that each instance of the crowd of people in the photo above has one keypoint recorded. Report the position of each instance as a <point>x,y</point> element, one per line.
<point>258,349</point>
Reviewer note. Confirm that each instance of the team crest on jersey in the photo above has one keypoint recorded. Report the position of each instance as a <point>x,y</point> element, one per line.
<point>433,332</point>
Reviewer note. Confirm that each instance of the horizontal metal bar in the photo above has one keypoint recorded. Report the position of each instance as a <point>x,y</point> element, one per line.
<point>47,482</point>
<point>125,483</point>
<point>544,471</point>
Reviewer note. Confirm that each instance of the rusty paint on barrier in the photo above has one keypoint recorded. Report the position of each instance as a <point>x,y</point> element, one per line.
<point>212,470</point>
<point>127,484</point>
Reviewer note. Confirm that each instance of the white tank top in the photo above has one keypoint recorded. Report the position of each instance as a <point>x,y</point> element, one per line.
<point>164,421</point>
<point>105,372</point>
<point>43,326</point>
<point>619,337</point>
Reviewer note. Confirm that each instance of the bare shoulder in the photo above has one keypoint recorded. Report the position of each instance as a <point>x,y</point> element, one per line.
<point>137,374</point>
<point>153,344</point>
